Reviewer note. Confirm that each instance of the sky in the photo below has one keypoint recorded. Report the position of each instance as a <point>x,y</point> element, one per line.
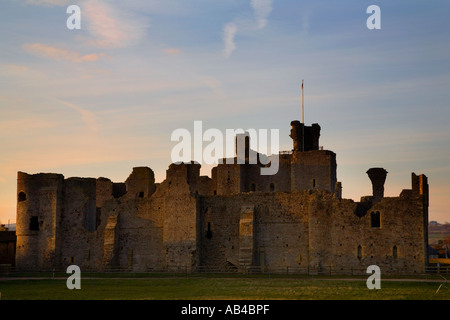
<point>100,100</point>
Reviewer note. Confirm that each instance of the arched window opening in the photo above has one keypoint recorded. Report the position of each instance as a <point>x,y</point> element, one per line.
<point>22,196</point>
<point>253,187</point>
<point>272,187</point>
<point>395,252</point>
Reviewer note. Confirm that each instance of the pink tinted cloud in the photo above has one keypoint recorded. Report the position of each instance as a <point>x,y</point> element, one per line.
<point>172,51</point>
<point>55,53</point>
<point>111,26</point>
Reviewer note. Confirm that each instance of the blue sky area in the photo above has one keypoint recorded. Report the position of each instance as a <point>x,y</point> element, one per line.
<point>99,101</point>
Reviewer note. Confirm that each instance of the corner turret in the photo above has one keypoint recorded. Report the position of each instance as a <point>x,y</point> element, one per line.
<point>305,138</point>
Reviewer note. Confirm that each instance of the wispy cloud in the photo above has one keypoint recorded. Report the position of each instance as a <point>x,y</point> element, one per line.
<point>262,9</point>
<point>49,2</point>
<point>172,51</point>
<point>13,70</point>
<point>112,27</point>
<point>31,123</point>
<point>87,116</point>
<point>110,23</point>
<point>55,53</point>
<point>229,32</point>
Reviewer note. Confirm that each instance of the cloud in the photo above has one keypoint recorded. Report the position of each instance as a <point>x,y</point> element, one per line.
<point>112,27</point>
<point>17,68</point>
<point>87,116</point>
<point>92,57</point>
<point>262,9</point>
<point>111,24</point>
<point>49,2</point>
<point>172,51</point>
<point>14,70</point>
<point>31,123</point>
<point>229,32</point>
<point>55,53</point>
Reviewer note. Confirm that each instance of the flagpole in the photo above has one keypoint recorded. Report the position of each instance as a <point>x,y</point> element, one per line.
<point>303,121</point>
<point>303,109</point>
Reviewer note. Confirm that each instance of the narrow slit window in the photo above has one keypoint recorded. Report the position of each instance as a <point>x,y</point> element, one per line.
<point>209,231</point>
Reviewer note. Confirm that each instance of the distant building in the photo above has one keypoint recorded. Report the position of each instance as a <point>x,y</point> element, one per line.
<point>7,246</point>
<point>432,253</point>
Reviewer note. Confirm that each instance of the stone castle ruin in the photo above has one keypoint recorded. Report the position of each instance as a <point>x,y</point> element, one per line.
<point>236,220</point>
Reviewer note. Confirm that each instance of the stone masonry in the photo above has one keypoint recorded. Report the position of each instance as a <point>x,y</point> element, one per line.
<point>237,219</point>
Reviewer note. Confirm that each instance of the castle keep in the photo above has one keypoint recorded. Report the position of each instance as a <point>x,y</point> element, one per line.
<point>294,220</point>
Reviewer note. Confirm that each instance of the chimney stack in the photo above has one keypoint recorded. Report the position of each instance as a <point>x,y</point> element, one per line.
<point>378,178</point>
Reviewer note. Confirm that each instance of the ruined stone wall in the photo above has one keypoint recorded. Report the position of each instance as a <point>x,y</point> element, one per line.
<point>219,231</point>
<point>395,246</point>
<point>133,234</point>
<point>279,182</point>
<point>314,170</point>
<point>298,171</point>
<point>320,217</point>
<point>180,224</point>
<point>282,231</point>
<point>78,220</point>
<point>140,183</point>
<point>156,232</point>
<point>229,179</point>
<point>279,229</point>
<point>81,221</point>
<point>313,231</point>
<point>180,217</point>
<point>104,191</point>
<point>204,186</point>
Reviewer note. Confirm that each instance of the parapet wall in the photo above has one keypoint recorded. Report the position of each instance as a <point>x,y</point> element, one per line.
<point>314,170</point>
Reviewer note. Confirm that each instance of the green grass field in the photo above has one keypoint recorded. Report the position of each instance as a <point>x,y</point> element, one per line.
<point>222,288</point>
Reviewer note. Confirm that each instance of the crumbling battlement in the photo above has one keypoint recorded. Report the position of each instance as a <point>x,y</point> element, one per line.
<point>238,218</point>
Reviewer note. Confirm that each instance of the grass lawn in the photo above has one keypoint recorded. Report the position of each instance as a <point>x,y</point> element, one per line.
<point>221,288</point>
